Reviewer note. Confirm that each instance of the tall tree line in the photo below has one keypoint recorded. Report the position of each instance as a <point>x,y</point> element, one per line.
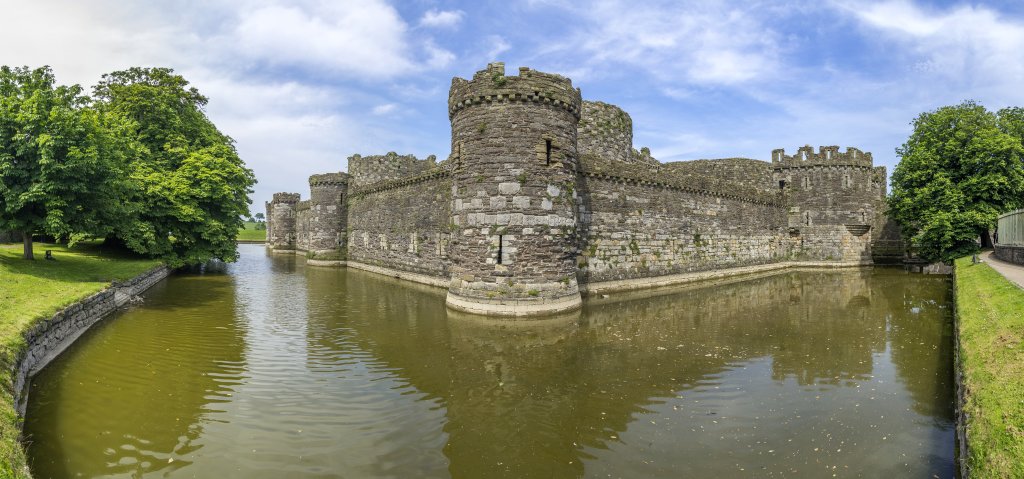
<point>138,163</point>
<point>960,168</point>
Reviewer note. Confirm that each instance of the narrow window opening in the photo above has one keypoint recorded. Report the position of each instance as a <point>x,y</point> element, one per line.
<point>863,217</point>
<point>782,184</point>
<point>547,152</point>
<point>501,243</point>
<point>807,218</point>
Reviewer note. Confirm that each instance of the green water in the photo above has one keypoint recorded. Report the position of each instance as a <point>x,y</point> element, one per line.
<point>271,369</point>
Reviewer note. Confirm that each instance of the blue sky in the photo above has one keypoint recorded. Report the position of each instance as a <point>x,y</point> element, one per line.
<point>302,85</point>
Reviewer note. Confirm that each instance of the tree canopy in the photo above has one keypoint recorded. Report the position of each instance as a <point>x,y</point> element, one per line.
<point>960,168</point>
<point>61,165</point>
<point>189,187</point>
<point>138,163</point>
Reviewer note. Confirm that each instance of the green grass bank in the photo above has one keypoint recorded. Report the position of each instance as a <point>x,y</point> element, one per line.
<point>990,325</point>
<point>32,291</point>
<point>250,233</point>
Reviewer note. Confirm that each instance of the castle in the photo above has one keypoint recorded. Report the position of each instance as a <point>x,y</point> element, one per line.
<point>543,197</point>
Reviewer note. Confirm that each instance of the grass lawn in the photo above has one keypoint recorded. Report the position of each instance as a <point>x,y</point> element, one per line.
<point>250,233</point>
<point>34,290</point>
<point>990,315</point>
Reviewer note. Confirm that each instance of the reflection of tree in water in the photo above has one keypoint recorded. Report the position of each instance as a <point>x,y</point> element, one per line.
<point>160,369</point>
<point>921,337</point>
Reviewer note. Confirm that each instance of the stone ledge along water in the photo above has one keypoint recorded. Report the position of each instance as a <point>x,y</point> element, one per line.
<point>271,368</point>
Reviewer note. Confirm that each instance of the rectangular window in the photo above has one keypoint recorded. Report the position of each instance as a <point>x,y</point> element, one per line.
<point>547,154</point>
<point>782,184</point>
<point>500,247</point>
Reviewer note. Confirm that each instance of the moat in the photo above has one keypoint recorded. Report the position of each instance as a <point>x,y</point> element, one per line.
<point>270,368</point>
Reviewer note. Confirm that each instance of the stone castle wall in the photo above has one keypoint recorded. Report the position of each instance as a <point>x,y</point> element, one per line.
<point>637,228</point>
<point>403,224</point>
<point>752,174</point>
<point>543,196</point>
<point>366,170</point>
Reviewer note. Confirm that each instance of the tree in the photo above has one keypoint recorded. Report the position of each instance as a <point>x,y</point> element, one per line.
<point>60,161</point>
<point>960,168</point>
<point>260,217</point>
<point>189,187</point>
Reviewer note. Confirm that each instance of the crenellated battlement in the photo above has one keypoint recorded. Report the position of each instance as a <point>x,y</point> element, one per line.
<point>366,170</point>
<point>491,85</point>
<point>289,198</point>
<point>329,179</point>
<point>826,156</point>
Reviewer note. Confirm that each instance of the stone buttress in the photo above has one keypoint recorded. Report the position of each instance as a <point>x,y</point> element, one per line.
<point>514,217</point>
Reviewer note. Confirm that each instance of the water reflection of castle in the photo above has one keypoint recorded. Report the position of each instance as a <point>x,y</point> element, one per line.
<point>541,401</point>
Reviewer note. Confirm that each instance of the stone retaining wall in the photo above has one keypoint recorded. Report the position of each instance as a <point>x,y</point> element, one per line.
<point>1010,254</point>
<point>47,339</point>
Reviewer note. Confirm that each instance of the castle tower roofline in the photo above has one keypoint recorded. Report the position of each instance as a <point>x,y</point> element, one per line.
<point>826,156</point>
<point>329,179</point>
<point>285,198</point>
<point>491,85</point>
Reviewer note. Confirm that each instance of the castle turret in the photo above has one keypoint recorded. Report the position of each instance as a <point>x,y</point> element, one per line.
<point>514,195</point>
<point>281,221</point>
<point>327,218</point>
<point>833,197</point>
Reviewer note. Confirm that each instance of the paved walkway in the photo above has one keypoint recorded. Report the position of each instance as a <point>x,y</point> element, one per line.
<point>1012,272</point>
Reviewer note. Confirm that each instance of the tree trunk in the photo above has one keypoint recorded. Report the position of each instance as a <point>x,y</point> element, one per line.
<point>26,238</point>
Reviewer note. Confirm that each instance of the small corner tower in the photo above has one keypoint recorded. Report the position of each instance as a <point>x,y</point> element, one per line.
<point>514,216</point>
<point>327,218</point>
<point>832,199</point>
<point>281,222</point>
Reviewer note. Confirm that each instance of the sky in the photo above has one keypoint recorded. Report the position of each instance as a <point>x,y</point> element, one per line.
<point>302,85</point>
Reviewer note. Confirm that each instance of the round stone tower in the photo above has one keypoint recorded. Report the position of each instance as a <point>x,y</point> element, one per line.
<point>327,215</point>
<point>514,214</point>
<point>281,222</point>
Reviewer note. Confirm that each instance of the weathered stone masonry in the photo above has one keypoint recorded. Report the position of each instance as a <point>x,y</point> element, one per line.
<point>47,339</point>
<point>543,197</point>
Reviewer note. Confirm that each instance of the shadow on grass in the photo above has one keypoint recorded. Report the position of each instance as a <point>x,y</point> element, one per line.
<point>83,263</point>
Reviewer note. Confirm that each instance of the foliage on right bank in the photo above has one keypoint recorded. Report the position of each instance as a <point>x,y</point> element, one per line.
<point>991,359</point>
<point>961,167</point>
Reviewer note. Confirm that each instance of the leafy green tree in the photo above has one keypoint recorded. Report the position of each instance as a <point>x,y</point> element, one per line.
<point>61,162</point>
<point>960,168</point>
<point>260,217</point>
<point>189,187</point>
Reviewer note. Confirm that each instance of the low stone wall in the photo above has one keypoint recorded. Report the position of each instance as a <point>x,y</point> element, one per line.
<point>962,445</point>
<point>1010,254</point>
<point>47,339</point>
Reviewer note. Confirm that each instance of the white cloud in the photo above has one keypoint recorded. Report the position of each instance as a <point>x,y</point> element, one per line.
<point>973,48</point>
<point>367,38</point>
<point>442,18</point>
<point>437,57</point>
<point>498,46</point>
<point>707,43</point>
<point>384,109</point>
